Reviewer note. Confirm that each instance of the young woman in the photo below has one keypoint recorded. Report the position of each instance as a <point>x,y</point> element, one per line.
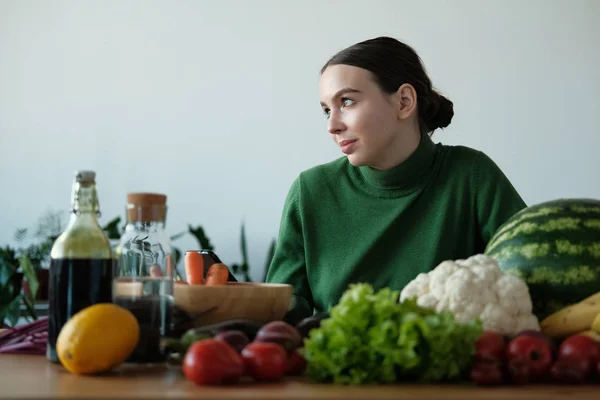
<point>396,204</point>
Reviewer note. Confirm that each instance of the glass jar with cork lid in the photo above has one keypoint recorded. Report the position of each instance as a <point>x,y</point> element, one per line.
<point>144,279</point>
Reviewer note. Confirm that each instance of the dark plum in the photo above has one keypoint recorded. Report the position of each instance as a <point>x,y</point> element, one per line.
<point>280,332</point>
<point>307,324</point>
<point>235,338</point>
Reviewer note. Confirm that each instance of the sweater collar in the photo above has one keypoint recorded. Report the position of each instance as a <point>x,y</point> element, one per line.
<point>407,175</point>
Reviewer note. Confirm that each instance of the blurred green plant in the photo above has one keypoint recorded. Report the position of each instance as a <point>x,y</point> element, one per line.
<point>243,268</point>
<point>14,290</point>
<point>21,268</point>
<point>37,249</point>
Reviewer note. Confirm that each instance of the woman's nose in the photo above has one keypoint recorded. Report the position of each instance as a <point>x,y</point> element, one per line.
<point>335,124</point>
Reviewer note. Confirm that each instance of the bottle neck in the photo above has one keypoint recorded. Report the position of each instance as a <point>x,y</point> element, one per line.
<point>84,200</point>
<point>83,238</point>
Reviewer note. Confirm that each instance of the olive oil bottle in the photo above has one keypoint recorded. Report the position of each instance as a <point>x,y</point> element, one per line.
<point>81,262</point>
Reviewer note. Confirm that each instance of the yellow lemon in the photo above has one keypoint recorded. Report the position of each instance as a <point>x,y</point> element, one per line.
<point>97,339</point>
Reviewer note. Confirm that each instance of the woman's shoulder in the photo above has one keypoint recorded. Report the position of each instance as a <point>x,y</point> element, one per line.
<point>459,152</point>
<point>317,180</point>
<point>319,175</point>
<point>461,155</point>
<point>471,163</point>
<point>325,171</point>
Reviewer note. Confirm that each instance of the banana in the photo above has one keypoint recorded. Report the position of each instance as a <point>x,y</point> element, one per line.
<point>592,334</point>
<point>596,324</point>
<point>592,300</point>
<point>572,319</point>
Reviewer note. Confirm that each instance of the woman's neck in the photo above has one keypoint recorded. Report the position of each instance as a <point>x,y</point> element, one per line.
<point>399,150</point>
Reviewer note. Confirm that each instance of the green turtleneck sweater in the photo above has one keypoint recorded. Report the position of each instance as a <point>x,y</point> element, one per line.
<point>343,224</point>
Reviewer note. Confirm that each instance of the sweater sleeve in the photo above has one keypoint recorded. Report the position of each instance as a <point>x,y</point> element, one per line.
<point>496,198</point>
<point>288,264</point>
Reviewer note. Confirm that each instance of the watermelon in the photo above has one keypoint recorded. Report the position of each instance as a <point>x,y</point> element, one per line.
<point>555,247</point>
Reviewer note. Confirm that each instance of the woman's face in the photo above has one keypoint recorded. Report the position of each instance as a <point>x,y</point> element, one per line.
<point>362,120</point>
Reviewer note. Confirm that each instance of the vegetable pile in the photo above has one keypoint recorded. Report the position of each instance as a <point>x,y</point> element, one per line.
<point>30,338</point>
<point>371,337</point>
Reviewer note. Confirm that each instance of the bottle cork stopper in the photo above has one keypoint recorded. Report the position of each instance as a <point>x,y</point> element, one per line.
<point>146,199</point>
<point>85,176</point>
<point>146,207</point>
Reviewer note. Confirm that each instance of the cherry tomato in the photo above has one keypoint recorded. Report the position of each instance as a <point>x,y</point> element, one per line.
<point>265,361</point>
<point>296,364</point>
<point>519,371</point>
<point>212,362</point>
<point>535,351</point>
<point>570,370</point>
<point>580,347</point>
<point>490,347</point>
<point>487,373</point>
<point>538,334</point>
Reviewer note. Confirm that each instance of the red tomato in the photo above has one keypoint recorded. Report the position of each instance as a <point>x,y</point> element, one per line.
<point>580,347</point>
<point>265,361</point>
<point>519,371</point>
<point>570,370</point>
<point>490,347</point>
<point>487,373</point>
<point>212,362</point>
<point>296,364</point>
<point>535,351</point>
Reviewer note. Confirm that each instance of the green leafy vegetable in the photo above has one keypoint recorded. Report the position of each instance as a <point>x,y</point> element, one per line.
<point>372,338</point>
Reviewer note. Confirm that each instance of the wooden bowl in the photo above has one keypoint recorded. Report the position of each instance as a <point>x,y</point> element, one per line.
<point>258,302</point>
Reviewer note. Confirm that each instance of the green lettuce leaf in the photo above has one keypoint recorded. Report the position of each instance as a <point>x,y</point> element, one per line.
<point>451,346</point>
<point>372,338</point>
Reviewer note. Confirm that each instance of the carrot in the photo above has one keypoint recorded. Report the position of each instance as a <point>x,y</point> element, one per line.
<point>217,274</point>
<point>194,268</point>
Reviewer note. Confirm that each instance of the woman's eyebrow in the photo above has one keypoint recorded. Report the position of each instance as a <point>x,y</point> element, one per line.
<point>342,92</point>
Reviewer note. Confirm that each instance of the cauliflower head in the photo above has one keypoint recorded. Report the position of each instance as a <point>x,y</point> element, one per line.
<point>476,288</point>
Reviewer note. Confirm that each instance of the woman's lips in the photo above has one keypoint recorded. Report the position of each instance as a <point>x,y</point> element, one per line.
<point>347,146</point>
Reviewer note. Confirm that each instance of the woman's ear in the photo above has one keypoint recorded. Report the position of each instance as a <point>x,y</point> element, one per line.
<point>406,101</point>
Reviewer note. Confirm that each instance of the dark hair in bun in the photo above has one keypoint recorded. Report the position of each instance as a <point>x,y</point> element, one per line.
<point>393,64</point>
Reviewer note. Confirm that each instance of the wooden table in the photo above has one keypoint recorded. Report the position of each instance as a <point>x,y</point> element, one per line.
<point>29,376</point>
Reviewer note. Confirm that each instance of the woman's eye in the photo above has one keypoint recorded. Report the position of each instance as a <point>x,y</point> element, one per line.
<point>326,111</point>
<point>347,102</point>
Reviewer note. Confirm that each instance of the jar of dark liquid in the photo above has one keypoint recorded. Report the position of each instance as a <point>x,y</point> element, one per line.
<point>81,263</point>
<point>143,283</point>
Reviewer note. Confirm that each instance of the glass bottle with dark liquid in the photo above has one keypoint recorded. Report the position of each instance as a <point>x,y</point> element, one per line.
<point>81,263</point>
<point>143,281</point>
